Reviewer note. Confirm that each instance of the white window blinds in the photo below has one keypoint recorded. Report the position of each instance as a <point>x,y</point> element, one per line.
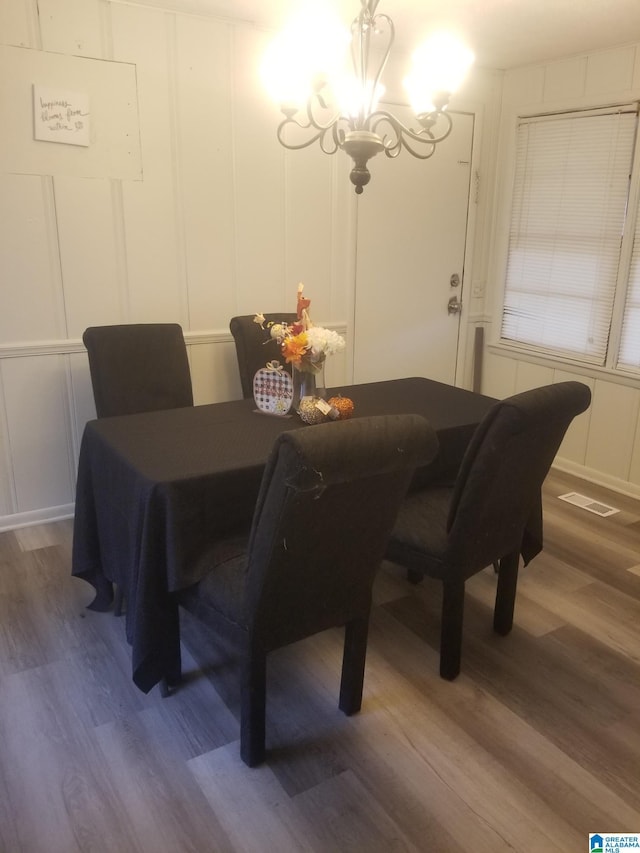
<point>569,203</point>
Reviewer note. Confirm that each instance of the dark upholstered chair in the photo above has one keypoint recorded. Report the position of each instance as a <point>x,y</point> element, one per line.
<point>138,367</point>
<point>327,504</point>
<point>492,514</point>
<point>254,348</point>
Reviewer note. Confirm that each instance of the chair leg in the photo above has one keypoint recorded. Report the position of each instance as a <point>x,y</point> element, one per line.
<point>118,600</point>
<point>451,629</point>
<point>253,697</point>
<point>506,594</point>
<point>173,655</point>
<point>104,596</point>
<point>353,662</point>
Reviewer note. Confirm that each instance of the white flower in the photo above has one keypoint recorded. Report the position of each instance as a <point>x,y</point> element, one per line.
<point>324,341</point>
<point>259,319</point>
<point>277,331</point>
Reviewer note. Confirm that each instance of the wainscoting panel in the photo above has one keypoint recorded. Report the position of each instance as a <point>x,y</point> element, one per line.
<point>308,229</point>
<point>7,502</point>
<point>88,252</point>
<point>205,166</point>
<point>71,26</point>
<point>31,271</point>
<point>634,469</point>
<point>506,376</point>
<point>614,416</point>
<point>214,371</point>
<point>532,376</point>
<point>259,180</point>
<point>575,443</point>
<point>603,443</point>
<point>35,394</point>
<point>152,217</point>
<point>16,24</point>
<point>80,402</point>
<point>499,374</point>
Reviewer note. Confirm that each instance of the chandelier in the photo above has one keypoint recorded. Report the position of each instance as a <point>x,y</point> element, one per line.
<point>340,111</point>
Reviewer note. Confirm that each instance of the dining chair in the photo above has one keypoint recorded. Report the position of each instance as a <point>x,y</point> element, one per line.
<point>492,514</point>
<point>327,503</point>
<point>254,347</point>
<point>137,367</point>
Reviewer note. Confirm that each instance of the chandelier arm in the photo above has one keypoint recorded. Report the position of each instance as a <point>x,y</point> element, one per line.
<point>402,133</point>
<point>394,150</point>
<point>313,121</point>
<point>429,118</point>
<point>296,146</point>
<point>329,133</point>
<point>338,135</point>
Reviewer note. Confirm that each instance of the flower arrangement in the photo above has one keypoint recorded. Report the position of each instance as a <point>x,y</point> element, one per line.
<point>302,344</point>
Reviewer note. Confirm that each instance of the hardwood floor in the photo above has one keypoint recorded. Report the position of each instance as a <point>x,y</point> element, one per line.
<point>535,745</point>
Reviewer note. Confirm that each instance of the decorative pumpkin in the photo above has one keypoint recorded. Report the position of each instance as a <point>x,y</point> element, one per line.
<point>343,405</point>
<point>309,412</point>
<point>273,389</point>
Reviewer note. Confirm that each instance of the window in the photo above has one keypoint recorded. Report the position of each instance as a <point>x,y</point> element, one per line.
<point>573,267</point>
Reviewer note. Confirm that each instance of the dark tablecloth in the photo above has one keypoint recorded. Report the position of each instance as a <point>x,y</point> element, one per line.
<point>156,490</point>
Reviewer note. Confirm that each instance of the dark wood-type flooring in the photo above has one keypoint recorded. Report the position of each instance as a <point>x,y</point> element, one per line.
<point>535,745</point>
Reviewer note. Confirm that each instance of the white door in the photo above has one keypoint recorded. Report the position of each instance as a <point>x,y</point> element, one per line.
<point>412,223</point>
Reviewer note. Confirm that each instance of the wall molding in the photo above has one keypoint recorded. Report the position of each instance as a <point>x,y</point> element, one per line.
<point>36,516</point>
<point>35,348</point>
<point>65,347</point>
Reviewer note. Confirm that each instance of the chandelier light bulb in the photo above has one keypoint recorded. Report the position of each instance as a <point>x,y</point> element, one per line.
<point>439,68</point>
<point>353,98</point>
<point>312,47</point>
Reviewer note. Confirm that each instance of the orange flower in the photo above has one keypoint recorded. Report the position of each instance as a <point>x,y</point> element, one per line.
<point>294,348</point>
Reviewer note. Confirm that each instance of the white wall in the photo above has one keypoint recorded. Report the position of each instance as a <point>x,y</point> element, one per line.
<point>192,216</point>
<point>604,443</point>
<point>216,220</point>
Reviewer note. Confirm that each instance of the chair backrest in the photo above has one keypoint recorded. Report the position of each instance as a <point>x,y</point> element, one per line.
<point>327,504</point>
<point>254,348</point>
<point>503,469</point>
<point>138,367</point>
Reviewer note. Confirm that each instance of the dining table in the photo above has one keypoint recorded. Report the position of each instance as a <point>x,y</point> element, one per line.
<point>156,490</point>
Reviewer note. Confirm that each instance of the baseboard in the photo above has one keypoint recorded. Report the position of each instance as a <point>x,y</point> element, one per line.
<point>36,516</point>
<point>623,487</point>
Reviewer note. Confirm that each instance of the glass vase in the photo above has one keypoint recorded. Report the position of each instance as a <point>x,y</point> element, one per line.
<point>308,383</point>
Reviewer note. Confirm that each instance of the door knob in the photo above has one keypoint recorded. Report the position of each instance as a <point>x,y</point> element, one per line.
<point>454,306</point>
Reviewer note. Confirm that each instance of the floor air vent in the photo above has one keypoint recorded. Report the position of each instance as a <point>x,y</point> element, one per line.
<point>588,503</point>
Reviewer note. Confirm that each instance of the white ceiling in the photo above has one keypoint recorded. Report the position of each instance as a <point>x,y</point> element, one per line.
<point>502,33</point>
